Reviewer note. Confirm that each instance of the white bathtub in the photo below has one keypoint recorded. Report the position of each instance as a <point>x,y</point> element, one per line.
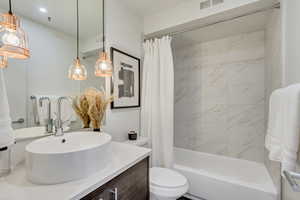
<point>214,177</point>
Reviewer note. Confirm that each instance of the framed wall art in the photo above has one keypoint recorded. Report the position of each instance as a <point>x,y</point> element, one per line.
<point>126,80</point>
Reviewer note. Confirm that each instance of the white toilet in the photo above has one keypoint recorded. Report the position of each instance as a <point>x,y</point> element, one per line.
<point>167,184</point>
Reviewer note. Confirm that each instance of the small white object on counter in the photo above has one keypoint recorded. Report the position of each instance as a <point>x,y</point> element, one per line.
<point>16,186</point>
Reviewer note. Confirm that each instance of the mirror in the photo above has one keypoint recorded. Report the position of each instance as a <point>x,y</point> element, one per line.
<point>51,29</point>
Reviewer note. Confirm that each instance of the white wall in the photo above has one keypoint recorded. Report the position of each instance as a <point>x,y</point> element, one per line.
<point>273,52</point>
<point>291,41</point>
<point>124,32</point>
<point>221,81</point>
<point>16,85</point>
<point>92,81</point>
<point>91,44</point>
<point>52,53</point>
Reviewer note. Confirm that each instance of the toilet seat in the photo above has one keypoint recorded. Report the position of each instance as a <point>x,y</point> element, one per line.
<point>169,192</point>
<point>167,183</point>
<point>166,178</point>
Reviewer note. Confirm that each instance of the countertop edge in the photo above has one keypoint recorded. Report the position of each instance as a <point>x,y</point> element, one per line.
<point>107,179</point>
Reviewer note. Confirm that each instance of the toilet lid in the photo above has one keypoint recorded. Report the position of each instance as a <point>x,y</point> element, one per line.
<point>163,177</point>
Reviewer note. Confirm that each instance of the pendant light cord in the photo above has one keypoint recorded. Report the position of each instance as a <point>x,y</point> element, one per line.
<point>10,9</point>
<point>103,25</point>
<point>77,29</point>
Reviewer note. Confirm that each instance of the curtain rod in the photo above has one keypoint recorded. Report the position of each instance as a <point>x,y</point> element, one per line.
<point>275,6</point>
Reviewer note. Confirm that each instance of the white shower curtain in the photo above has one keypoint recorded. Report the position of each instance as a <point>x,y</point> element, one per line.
<point>158,100</point>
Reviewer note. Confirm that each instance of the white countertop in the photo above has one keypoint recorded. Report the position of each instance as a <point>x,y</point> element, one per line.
<point>140,141</point>
<point>16,187</point>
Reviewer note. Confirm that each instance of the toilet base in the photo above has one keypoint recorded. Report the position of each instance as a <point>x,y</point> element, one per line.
<point>167,184</point>
<point>154,197</point>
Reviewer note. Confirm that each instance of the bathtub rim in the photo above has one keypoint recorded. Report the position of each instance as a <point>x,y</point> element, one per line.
<point>203,172</point>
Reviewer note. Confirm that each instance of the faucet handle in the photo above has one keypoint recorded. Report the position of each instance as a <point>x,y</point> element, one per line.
<point>58,129</point>
<point>49,125</point>
<point>42,99</point>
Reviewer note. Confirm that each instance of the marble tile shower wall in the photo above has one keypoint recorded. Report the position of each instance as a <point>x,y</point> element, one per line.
<point>220,96</point>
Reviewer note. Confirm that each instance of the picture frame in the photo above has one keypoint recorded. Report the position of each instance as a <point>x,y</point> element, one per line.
<point>125,82</point>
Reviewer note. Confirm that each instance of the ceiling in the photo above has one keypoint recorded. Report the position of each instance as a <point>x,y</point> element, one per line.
<point>148,7</point>
<point>246,24</point>
<point>62,13</point>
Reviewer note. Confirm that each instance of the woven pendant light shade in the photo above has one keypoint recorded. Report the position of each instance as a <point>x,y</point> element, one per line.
<point>13,40</point>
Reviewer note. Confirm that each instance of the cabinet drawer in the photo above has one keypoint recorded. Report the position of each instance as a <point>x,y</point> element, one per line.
<point>133,184</point>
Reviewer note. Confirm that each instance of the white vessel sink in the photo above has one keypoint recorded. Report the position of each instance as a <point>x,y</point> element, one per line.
<point>58,159</point>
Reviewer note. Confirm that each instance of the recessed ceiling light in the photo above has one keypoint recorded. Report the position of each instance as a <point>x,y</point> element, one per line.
<point>43,10</point>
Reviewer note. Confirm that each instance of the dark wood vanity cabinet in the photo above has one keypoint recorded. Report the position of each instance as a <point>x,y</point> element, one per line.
<point>133,184</point>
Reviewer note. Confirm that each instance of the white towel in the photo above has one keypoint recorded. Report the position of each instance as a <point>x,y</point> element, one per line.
<point>274,135</point>
<point>6,131</point>
<point>42,110</point>
<point>283,133</point>
<point>67,113</point>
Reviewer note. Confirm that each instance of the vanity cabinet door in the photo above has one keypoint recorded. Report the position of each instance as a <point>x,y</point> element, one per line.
<point>133,184</point>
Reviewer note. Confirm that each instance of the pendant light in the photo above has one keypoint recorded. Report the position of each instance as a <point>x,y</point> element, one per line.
<point>77,71</point>
<point>103,67</point>
<point>13,40</point>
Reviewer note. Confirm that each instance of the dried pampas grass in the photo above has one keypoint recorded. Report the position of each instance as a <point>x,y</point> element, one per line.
<point>81,107</point>
<point>93,104</point>
<point>97,109</point>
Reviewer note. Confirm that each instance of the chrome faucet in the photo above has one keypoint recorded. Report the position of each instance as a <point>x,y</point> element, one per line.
<point>58,122</point>
<point>49,120</point>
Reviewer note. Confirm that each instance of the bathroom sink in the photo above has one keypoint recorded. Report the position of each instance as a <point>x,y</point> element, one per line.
<point>58,159</point>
